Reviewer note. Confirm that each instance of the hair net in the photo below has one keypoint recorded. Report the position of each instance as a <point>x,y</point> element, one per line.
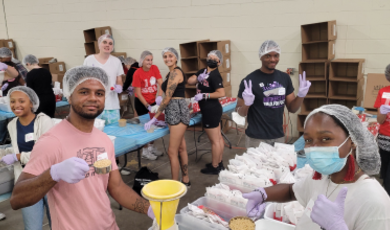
<point>143,56</point>
<point>129,61</point>
<point>30,59</point>
<point>216,53</point>
<point>367,155</point>
<point>29,92</point>
<point>79,74</point>
<point>268,47</point>
<point>387,72</point>
<point>104,36</point>
<point>122,59</point>
<point>172,50</point>
<point>5,52</point>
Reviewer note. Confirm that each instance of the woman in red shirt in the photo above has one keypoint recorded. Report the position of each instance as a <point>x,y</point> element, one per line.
<point>145,82</point>
<point>382,103</point>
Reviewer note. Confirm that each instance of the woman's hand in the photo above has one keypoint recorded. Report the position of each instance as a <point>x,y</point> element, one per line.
<point>9,159</point>
<point>255,206</point>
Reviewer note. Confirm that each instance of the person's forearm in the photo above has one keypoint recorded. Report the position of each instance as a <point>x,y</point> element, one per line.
<point>12,72</point>
<point>119,81</point>
<point>242,110</point>
<point>129,199</point>
<point>159,83</point>
<point>192,80</point>
<point>280,193</point>
<point>29,191</point>
<point>295,104</point>
<point>381,118</point>
<point>163,105</point>
<point>217,95</point>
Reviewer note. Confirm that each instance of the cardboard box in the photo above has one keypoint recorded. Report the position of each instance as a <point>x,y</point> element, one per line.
<point>91,48</point>
<point>318,51</point>
<point>123,99</point>
<point>372,111</point>
<point>346,90</point>
<point>189,66</point>
<point>225,67</point>
<point>309,104</point>
<point>226,79</point>
<point>348,103</point>
<point>346,69</point>
<point>190,49</point>
<point>322,31</point>
<point>93,34</point>
<point>55,68</point>
<point>315,70</point>
<point>228,91</point>
<point>9,43</point>
<point>318,89</point>
<point>206,47</point>
<point>57,77</point>
<point>119,54</point>
<point>44,60</point>
<point>375,82</point>
<point>300,122</point>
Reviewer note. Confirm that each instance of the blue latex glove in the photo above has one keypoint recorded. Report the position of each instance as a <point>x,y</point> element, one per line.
<point>9,159</point>
<point>159,100</point>
<point>330,215</point>
<point>4,87</point>
<point>384,109</point>
<point>151,213</point>
<point>118,89</point>
<point>255,206</point>
<point>203,76</point>
<point>71,170</point>
<point>247,95</point>
<point>3,66</point>
<point>150,123</point>
<point>198,97</point>
<point>304,85</point>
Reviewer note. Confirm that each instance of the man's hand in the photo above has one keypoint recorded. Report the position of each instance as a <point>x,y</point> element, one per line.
<point>247,95</point>
<point>71,170</point>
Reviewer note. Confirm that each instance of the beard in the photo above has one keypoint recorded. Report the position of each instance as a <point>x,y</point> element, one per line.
<point>79,111</point>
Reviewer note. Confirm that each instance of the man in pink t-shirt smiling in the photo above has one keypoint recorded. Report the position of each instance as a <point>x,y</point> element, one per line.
<point>61,163</point>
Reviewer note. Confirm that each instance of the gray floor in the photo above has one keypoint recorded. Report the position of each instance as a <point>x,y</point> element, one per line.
<point>127,219</point>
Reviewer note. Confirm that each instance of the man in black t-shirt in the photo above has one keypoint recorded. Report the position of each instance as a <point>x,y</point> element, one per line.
<point>263,95</point>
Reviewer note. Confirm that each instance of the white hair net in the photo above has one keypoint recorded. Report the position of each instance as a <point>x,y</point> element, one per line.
<point>216,53</point>
<point>367,154</point>
<point>79,74</point>
<point>268,47</point>
<point>143,56</point>
<point>387,72</point>
<point>129,61</point>
<point>29,92</point>
<point>104,36</point>
<point>30,59</point>
<point>5,52</point>
<point>172,50</point>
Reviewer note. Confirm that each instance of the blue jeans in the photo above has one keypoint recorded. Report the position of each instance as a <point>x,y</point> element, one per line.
<point>33,215</point>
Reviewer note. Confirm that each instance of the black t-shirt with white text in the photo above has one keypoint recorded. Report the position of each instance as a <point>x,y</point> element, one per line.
<point>209,85</point>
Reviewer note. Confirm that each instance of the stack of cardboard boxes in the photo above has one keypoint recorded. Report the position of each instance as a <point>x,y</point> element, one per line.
<point>57,69</point>
<point>91,37</point>
<point>10,44</point>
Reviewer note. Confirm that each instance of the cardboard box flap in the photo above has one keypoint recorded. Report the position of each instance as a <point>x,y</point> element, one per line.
<point>375,82</point>
<point>93,34</point>
<point>44,60</point>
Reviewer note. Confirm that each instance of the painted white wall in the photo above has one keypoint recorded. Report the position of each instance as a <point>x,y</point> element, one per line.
<point>55,28</point>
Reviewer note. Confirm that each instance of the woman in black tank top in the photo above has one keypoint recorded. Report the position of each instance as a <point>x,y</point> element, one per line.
<point>177,115</point>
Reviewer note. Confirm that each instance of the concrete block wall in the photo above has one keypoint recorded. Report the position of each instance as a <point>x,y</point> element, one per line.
<point>54,28</point>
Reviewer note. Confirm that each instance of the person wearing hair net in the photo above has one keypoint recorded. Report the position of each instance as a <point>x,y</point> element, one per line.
<point>25,129</point>
<point>340,194</point>
<point>113,67</point>
<point>15,73</point>
<point>40,80</point>
<point>209,90</point>
<point>177,116</point>
<point>264,93</point>
<point>382,103</point>
<point>61,163</point>
<point>145,82</point>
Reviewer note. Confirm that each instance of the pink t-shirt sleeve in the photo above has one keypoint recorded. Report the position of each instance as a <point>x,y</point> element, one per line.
<point>111,156</point>
<point>44,154</point>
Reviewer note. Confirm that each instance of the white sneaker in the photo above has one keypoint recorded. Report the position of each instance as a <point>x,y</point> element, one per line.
<point>125,172</point>
<point>2,216</point>
<point>147,155</point>
<point>154,150</point>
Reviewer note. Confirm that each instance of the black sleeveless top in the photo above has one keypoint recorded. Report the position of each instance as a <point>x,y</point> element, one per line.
<point>179,91</point>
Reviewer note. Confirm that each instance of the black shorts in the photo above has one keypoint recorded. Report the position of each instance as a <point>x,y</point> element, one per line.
<point>140,108</point>
<point>211,114</point>
<point>177,111</point>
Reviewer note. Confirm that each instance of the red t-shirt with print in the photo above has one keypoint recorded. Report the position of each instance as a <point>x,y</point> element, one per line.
<point>147,81</point>
<point>383,98</point>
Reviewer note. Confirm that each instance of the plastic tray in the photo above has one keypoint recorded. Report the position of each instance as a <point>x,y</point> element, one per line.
<point>269,215</point>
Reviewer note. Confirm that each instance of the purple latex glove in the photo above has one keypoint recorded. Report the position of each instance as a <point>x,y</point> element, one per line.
<point>9,159</point>
<point>3,66</point>
<point>150,123</point>
<point>71,170</point>
<point>384,109</point>
<point>150,108</point>
<point>203,76</point>
<point>247,95</point>
<point>159,100</point>
<point>304,85</point>
<point>160,124</point>
<point>330,215</point>
<point>118,89</point>
<point>130,90</point>
<point>198,97</point>
<point>4,87</point>
<point>151,213</point>
<point>255,206</point>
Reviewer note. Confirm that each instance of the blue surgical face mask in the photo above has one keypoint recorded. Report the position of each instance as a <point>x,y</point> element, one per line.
<point>326,160</point>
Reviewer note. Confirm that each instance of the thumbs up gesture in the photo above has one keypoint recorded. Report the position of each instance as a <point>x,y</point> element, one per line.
<point>330,215</point>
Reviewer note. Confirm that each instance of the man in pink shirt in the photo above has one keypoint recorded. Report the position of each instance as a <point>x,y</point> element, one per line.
<point>61,163</point>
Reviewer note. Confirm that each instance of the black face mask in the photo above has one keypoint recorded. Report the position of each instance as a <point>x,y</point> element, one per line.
<point>212,64</point>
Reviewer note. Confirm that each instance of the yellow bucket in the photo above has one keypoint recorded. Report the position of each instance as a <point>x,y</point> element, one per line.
<point>164,196</point>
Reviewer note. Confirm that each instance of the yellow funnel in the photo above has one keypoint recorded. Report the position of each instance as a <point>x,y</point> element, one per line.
<point>164,196</point>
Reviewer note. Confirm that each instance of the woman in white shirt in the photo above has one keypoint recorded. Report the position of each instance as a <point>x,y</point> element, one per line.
<point>113,67</point>
<point>340,194</point>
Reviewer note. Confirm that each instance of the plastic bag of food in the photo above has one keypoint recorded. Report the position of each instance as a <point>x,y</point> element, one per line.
<point>229,177</point>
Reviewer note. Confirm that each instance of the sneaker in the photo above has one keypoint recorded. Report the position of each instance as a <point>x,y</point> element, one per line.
<point>2,216</point>
<point>147,155</point>
<point>125,172</point>
<point>154,150</point>
<point>211,170</point>
<point>187,184</point>
<point>220,165</point>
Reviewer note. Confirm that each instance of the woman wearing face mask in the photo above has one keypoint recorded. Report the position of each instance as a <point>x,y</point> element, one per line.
<point>24,131</point>
<point>177,115</point>
<point>209,89</point>
<point>343,153</point>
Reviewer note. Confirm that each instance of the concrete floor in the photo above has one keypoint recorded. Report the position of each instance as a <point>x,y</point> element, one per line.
<point>128,219</point>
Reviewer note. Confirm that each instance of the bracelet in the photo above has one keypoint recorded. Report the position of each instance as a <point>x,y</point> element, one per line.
<point>209,96</point>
